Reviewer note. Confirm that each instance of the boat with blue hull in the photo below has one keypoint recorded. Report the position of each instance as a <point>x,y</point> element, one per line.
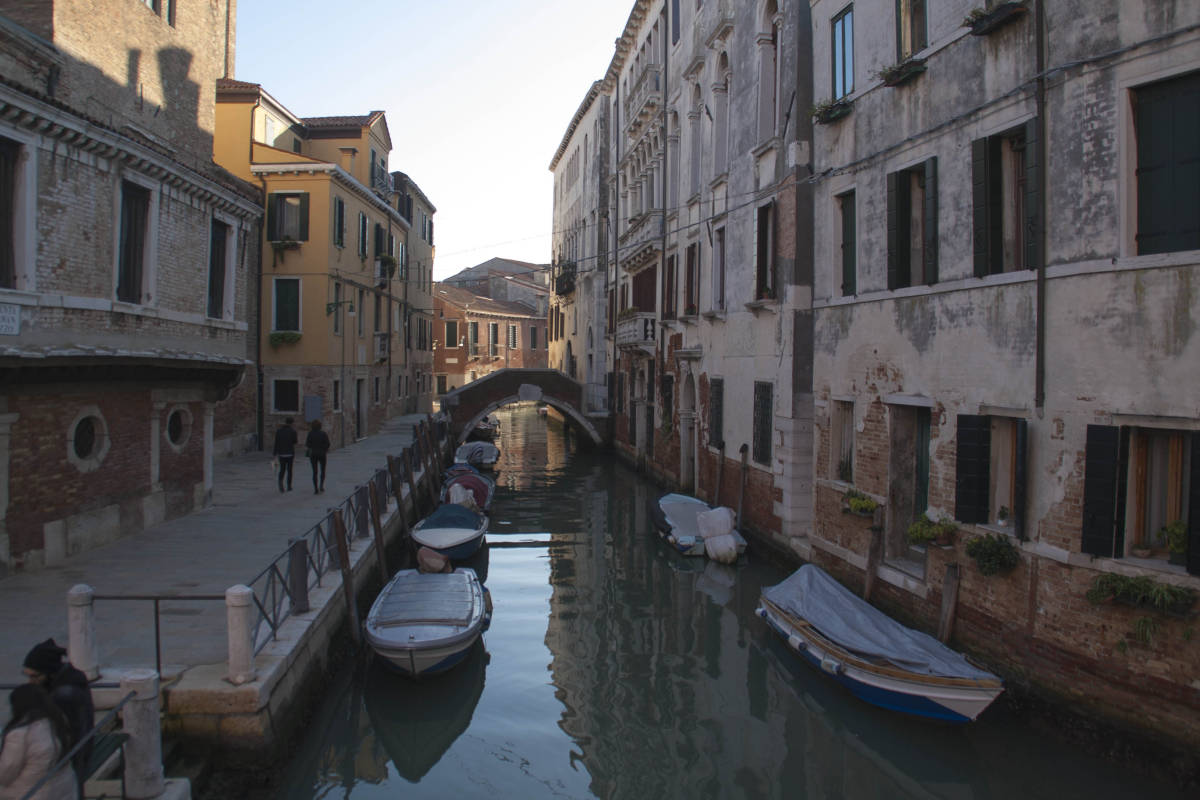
<point>423,624</point>
<point>452,530</point>
<point>872,655</point>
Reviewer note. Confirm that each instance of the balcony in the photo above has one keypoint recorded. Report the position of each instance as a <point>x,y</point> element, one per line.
<point>564,278</point>
<point>644,99</point>
<point>635,331</point>
<point>641,242</point>
<point>381,346</point>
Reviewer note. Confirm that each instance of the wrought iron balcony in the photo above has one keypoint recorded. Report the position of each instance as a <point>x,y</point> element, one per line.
<point>564,278</point>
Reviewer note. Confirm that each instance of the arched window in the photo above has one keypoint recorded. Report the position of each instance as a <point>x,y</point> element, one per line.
<point>721,117</point>
<point>694,134</point>
<point>768,72</point>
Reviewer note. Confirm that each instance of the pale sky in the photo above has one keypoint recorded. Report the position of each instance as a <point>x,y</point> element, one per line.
<point>478,95</point>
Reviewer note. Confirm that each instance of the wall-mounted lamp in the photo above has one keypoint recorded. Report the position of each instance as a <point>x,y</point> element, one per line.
<point>331,307</point>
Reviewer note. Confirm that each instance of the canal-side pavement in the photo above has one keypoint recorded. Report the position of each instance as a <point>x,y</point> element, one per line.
<point>246,527</point>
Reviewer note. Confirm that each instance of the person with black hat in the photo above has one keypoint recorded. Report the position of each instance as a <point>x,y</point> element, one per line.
<point>69,689</point>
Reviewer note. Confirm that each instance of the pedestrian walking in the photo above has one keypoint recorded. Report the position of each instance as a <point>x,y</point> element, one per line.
<point>35,739</point>
<point>68,688</point>
<point>316,446</point>
<point>285,451</point>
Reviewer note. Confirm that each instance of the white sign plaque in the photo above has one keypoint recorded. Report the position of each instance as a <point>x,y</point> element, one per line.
<point>10,319</point>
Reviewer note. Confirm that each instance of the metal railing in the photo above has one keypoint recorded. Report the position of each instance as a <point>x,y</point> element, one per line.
<point>157,599</point>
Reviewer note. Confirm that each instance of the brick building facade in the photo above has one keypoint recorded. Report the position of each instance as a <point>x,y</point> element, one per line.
<point>475,335</point>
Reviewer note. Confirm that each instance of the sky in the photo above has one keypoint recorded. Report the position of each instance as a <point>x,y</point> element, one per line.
<point>478,95</point>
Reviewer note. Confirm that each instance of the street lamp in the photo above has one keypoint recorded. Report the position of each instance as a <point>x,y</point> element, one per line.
<point>330,308</point>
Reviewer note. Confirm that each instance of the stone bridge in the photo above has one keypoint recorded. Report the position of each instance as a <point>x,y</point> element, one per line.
<point>469,404</point>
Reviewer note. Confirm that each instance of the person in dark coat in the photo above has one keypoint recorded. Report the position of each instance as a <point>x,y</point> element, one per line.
<point>317,444</point>
<point>69,689</point>
<point>285,451</point>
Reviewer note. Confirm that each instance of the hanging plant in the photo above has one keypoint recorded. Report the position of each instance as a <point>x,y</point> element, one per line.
<point>923,530</point>
<point>902,72</point>
<point>994,554</point>
<point>830,110</point>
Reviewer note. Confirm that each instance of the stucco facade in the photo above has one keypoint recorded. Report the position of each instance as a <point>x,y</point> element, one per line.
<point>1005,329</point>
<point>125,283</point>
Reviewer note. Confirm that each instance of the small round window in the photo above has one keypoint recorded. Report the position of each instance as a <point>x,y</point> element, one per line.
<point>84,440</point>
<point>178,427</point>
<point>175,427</point>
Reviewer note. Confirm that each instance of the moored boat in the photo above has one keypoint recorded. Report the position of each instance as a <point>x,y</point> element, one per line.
<point>452,530</point>
<point>677,518</point>
<point>480,487</point>
<point>425,623</point>
<point>873,655</point>
<point>481,455</point>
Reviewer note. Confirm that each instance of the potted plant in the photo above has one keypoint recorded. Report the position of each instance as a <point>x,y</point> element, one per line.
<point>278,248</point>
<point>388,263</point>
<point>993,554</point>
<point>903,72</point>
<point>925,531</point>
<point>829,110</point>
<point>278,338</point>
<point>1002,517</point>
<point>858,503</point>
<point>1175,534</point>
<point>993,16</point>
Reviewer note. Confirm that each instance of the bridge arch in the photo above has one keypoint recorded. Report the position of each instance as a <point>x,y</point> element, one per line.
<point>467,405</point>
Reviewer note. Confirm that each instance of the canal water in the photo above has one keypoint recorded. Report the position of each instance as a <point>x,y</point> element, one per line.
<point>615,668</point>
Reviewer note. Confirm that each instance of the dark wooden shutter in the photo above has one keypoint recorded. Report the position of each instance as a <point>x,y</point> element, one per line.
<point>1032,236</point>
<point>303,237</point>
<point>893,230</point>
<point>272,218</point>
<point>216,269</point>
<point>716,412</point>
<point>763,424</point>
<point>974,461</point>
<point>980,211</point>
<point>1102,464</point>
<point>849,245</point>
<point>1021,456</point>
<point>1167,119</point>
<point>1193,523</point>
<point>930,244</point>
<point>10,153</point>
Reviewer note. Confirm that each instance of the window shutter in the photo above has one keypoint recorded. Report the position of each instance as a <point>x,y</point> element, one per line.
<point>893,230</point>
<point>974,459</point>
<point>930,248</point>
<point>980,211</point>
<point>849,245</point>
<point>1100,484</point>
<point>1032,237</point>
<point>1021,456</point>
<point>303,217</point>
<point>272,218</point>
<point>1193,538</point>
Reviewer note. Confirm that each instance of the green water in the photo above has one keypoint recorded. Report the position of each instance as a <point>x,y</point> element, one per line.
<point>615,668</point>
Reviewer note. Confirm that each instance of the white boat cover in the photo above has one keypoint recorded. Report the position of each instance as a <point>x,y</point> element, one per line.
<point>812,594</point>
<point>477,453</point>
<point>681,511</point>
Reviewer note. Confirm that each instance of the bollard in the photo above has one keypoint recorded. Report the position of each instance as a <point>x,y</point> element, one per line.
<point>239,605</point>
<point>298,574</point>
<point>81,630</point>
<point>140,719</point>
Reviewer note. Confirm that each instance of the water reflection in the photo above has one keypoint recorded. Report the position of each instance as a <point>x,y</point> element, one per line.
<point>621,669</point>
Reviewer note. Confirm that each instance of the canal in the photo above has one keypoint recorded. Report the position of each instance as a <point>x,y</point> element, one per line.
<point>615,668</point>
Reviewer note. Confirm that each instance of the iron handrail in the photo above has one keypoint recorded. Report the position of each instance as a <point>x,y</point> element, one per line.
<point>157,598</point>
<point>95,731</point>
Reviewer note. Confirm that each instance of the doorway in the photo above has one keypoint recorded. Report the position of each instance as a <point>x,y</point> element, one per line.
<point>359,390</point>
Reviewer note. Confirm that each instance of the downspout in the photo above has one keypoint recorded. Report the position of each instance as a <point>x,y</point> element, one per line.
<point>1039,396</point>
<point>259,420</point>
<point>616,227</point>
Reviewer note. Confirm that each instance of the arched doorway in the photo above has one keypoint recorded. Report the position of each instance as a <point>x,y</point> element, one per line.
<point>688,434</point>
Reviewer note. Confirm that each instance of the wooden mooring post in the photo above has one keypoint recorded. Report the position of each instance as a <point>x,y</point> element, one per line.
<point>396,468</point>
<point>874,553</point>
<point>410,476</point>
<point>343,549</point>
<point>377,525</point>
<point>949,603</point>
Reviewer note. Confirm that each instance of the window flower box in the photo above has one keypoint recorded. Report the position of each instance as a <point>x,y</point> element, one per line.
<point>278,338</point>
<point>903,72</point>
<point>831,110</point>
<point>983,21</point>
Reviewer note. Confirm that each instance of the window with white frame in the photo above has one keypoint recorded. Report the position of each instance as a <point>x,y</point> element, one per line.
<point>842,29</point>
<point>286,305</point>
<point>512,337</point>
<point>287,217</point>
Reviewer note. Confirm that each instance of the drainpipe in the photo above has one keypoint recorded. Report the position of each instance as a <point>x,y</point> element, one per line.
<point>1039,396</point>
<point>259,420</point>
<point>616,227</point>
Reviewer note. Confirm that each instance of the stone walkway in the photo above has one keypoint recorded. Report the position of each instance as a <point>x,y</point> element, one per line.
<point>247,526</point>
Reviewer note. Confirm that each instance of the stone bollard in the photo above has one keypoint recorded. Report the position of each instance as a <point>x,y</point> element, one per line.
<point>81,630</point>
<point>239,607</point>
<point>140,719</point>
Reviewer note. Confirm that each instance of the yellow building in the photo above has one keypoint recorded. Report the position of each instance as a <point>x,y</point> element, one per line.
<point>331,323</point>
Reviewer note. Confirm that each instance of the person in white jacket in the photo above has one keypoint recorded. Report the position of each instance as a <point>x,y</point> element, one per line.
<point>35,739</point>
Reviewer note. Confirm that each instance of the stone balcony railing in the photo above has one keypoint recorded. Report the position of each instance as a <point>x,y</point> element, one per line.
<point>636,331</point>
<point>644,98</point>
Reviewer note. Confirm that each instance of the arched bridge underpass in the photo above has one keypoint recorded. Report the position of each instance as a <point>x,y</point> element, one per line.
<point>469,404</point>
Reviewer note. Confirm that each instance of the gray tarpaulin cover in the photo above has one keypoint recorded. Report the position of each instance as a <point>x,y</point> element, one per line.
<point>813,595</point>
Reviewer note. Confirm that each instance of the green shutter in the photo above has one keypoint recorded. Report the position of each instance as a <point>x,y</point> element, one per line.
<point>272,218</point>
<point>972,479</point>
<point>1167,120</point>
<point>1021,456</point>
<point>303,217</point>
<point>849,245</point>
<point>930,244</point>
<point>921,493</point>
<point>1102,463</point>
<point>893,230</point>
<point>980,212</point>
<point>1032,236</point>
<point>1193,522</point>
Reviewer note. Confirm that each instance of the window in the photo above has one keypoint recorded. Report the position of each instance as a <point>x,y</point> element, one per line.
<point>841,441</point>
<point>1004,186</point>
<point>451,333</point>
<point>512,337</point>
<point>473,338</point>
<point>441,384</point>
<point>764,253</point>
<point>545,339</point>
<point>719,269</point>
<point>990,474</point>
<point>378,312</point>
<point>375,391</point>
<point>88,441</point>
<point>843,53</point>
<point>10,164</point>
<point>620,392</point>
<point>337,395</point>
<point>691,287</point>
<point>533,337</point>
<point>674,21</point>
<point>380,245</point>
<point>768,74</point>
<point>763,424</point>
<point>285,396</point>
<point>670,283</point>
<point>716,412</point>
<point>912,229</point>
<point>362,235</point>
<point>910,28</point>
<point>362,296</point>
<point>218,269</point>
<point>339,222</point>
<point>1137,480</point>
<point>287,304</point>
<point>849,244</point>
<point>720,118</point>
<point>493,339</point>
<point>1167,126</point>
<point>135,222</point>
<point>287,217</point>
